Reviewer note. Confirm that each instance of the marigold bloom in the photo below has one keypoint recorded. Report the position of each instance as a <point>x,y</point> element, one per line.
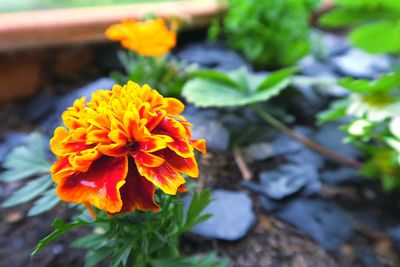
<point>148,38</point>
<point>116,148</point>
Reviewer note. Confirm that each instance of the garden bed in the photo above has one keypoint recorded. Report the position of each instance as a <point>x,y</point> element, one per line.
<point>270,241</point>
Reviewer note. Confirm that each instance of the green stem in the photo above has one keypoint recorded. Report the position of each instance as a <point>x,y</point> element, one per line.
<point>311,144</point>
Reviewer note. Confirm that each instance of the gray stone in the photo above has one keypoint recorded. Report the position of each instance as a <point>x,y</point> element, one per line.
<point>334,44</point>
<point>216,135</point>
<point>330,136</point>
<point>311,66</point>
<point>339,176</point>
<point>232,216</point>
<point>325,222</point>
<point>359,64</point>
<point>212,56</point>
<point>306,156</point>
<point>289,179</point>
<point>67,100</point>
<point>39,107</point>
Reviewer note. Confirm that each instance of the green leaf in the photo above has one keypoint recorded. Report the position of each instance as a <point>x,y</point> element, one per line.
<point>208,260</point>
<point>199,202</point>
<point>88,241</point>
<point>28,192</point>
<point>336,110</point>
<point>384,83</point>
<point>121,257</point>
<point>60,228</point>
<point>340,17</point>
<point>93,257</point>
<point>45,203</point>
<point>211,93</point>
<point>26,161</point>
<point>379,37</point>
<point>276,78</point>
<point>216,76</point>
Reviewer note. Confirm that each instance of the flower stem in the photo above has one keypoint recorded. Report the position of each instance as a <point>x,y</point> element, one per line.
<point>311,144</point>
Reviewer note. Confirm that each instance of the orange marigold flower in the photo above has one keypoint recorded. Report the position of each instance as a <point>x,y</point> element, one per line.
<point>148,38</point>
<point>118,147</point>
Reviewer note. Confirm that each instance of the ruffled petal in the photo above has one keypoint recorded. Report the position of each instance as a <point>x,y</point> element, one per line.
<point>174,106</point>
<point>99,186</point>
<point>186,166</point>
<point>147,159</point>
<point>60,169</point>
<point>177,132</point>
<point>164,176</point>
<point>137,192</point>
<point>199,145</point>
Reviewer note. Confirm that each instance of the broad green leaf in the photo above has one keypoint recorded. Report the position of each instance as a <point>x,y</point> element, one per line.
<point>275,78</point>
<point>383,84</point>
<point>336,110</point>
<point>29,191</point>
<point>340,17</point>
<point>45,203</point>
<point>60,228</point>
<point>216,76</point>
<point>379,37</point>
<point>208,93</point>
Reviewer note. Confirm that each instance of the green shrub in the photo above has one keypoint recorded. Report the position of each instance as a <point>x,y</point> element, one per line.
<point>271,33</point>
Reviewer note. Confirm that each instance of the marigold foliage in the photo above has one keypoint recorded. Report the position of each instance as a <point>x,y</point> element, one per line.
<point>116,148</point>
<point>148,38</point>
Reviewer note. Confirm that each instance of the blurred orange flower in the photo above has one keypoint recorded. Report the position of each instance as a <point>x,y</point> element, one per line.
<point>118,147</point>
<point>148,38</point>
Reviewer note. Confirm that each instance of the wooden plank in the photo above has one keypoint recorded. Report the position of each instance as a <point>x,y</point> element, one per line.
<point>25,30</point>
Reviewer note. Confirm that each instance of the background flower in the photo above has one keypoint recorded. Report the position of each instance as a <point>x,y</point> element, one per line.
<point>148,38</point>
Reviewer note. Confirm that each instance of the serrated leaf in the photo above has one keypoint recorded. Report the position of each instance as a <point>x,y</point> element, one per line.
<point>379,37</point>
<point>45,203</point>
<point>25,161</point>
<point>28,192</point>
<point>208,93</point>
<point>60,228</point>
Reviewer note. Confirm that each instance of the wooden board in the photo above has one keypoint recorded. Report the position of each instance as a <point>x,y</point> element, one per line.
<point>26,30</point>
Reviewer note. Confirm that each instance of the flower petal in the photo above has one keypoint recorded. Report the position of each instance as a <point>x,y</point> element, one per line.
<point>164,176</point>
<point>177,131</point>
<point>99,186</point>
<point>137,192</point>
<point>200,145</point>
<point>174,106</point>
<point>147,159</point>
<point>186,166</point>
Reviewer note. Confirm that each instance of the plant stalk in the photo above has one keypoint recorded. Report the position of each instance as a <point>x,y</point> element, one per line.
<point>311,144</point>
